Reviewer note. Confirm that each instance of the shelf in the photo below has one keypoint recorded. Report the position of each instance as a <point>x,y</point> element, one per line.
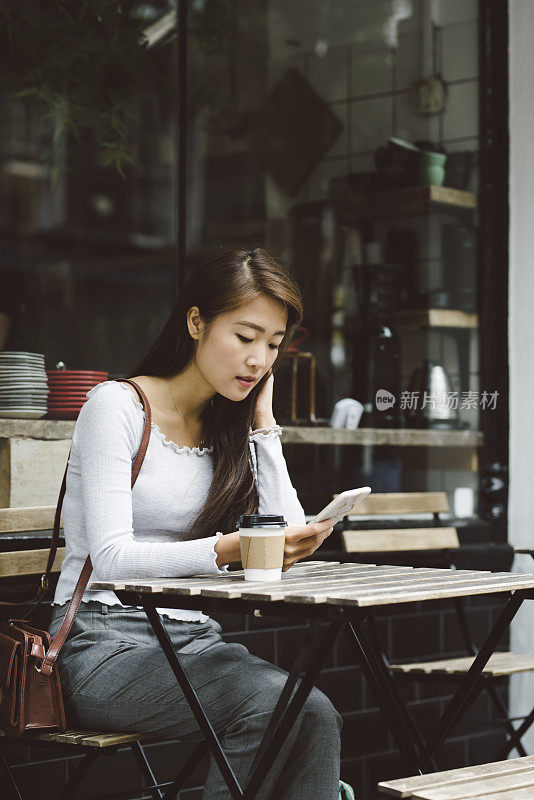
<point>406,202</point>
<point>435,318</point>
<point>400,437</point>
<point>293,434</point>
<point>52,429</point>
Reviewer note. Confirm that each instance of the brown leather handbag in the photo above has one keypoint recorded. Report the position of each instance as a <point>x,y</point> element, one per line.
<point>30,687</point>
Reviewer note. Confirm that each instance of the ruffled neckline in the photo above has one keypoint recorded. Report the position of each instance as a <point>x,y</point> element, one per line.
<point>199,451</point>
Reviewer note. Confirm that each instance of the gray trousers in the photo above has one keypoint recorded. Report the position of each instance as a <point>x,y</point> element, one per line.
<point>115,676</point>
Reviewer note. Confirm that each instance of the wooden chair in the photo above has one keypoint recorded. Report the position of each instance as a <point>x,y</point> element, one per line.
<point>526,551</point>
<point>501,780</point>
<point>419,541</point>
<point>90,743</point>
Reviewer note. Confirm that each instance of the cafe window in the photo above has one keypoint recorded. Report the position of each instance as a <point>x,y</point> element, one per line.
<point>88,182</point>
<point>345,139</point>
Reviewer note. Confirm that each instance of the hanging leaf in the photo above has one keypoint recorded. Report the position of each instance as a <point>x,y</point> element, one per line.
<point>83,59</point>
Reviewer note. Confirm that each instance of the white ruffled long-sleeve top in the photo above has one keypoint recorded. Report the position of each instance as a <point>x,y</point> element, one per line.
<point>144,531</point>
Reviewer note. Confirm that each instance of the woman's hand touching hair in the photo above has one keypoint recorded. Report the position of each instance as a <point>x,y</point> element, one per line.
<point>263,408</point>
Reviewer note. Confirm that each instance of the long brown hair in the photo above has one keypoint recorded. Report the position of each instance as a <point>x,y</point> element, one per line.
<point>220,285</point>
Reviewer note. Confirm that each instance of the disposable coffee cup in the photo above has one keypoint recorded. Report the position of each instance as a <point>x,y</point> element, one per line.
<point>262,540</point>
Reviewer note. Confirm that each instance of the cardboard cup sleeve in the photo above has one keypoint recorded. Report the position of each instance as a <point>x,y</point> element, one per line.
<point>262,552</point>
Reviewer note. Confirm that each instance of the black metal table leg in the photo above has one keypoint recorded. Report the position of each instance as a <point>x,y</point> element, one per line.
<point>192,698</point>
<point>294,708</point>
<point>464,692</point>
<point>286,710</point>
<point>515,738</point>
<point>389,702</point>
<point>306,645</point>
<point>509,728</point>
<point>488,685</point>
<point>417,737</point>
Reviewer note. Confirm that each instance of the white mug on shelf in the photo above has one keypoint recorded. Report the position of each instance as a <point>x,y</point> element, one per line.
<point>346,414</point>
<point>464,502</point>
<point>354,415</point>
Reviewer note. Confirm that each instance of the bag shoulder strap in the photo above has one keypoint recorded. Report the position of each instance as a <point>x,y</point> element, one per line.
<point>85,574</point>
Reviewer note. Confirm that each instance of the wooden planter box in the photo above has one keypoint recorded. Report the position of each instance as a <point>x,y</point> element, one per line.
<point>31,471</point>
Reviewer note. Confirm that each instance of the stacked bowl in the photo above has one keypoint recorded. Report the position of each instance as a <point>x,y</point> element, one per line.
<point>23,385</point>
<point>68,389</point>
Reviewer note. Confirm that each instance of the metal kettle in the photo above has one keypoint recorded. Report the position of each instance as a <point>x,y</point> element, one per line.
<point>431,398</point>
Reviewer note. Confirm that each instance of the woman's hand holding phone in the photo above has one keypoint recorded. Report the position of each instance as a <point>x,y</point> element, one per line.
<point>303,540</point>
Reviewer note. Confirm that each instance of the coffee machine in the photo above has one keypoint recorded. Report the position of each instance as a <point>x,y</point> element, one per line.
<point>376,366</point>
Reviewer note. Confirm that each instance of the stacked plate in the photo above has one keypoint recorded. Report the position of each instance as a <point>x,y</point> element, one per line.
<point>68,389</point>
<point>23,385</point>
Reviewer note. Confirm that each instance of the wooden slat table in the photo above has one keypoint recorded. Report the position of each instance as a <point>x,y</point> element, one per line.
<point>334,598</point>
<point>502,780</point>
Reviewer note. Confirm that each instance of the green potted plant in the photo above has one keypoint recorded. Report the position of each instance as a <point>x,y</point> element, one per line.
<point>81,62</point>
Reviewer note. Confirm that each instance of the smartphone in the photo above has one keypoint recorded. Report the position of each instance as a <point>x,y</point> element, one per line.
<point>343,504</point>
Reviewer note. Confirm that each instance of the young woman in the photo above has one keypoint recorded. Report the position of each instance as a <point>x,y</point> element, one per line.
<point>214,454</point>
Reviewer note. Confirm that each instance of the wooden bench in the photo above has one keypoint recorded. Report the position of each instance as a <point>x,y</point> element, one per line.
<point>401,539</point>
<point>424,539</point>
<point>90,743</point>
<point>501,780</point>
